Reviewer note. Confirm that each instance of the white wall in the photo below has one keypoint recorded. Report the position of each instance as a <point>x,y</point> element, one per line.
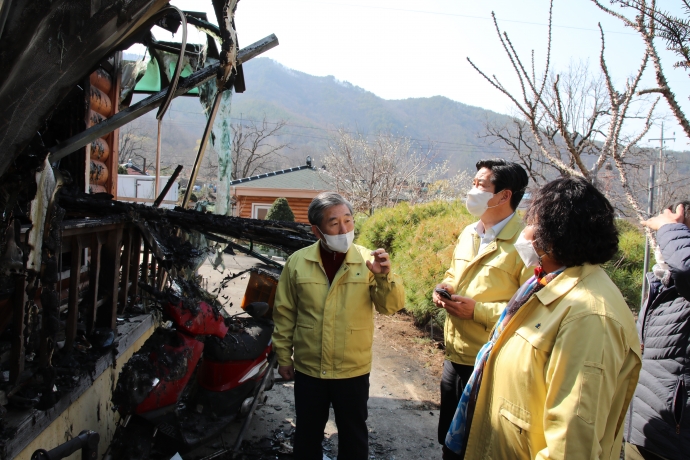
<point>131,186</point>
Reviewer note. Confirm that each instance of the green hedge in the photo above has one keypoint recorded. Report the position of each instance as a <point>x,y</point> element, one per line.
<point>421,239</point>
<point>625,269</point>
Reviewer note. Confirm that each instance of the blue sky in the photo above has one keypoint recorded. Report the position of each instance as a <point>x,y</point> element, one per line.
<point>399,49</point>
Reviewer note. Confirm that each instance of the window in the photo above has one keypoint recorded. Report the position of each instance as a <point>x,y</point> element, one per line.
<point>259,211</point>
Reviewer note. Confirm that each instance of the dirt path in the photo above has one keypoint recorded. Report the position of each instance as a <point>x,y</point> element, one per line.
<point>403,396</point>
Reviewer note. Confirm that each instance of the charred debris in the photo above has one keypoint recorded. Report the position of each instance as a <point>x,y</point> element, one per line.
<point>74,262</point>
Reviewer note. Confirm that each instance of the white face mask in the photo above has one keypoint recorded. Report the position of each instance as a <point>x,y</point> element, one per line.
<point>338,243</point>
<point>477,201</point>
<point>526,251</point>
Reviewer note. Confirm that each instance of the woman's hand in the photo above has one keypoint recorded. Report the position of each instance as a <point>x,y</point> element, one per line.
<point>666,217</point>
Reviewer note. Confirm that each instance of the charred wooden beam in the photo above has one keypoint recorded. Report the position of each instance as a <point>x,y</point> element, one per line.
<point>46,49</point>
<point>73,303</point>
<point>288,236</point>
<point>110,279</point>
<point>97,242</point>
<point>169,184</point>
<point>152,102</point>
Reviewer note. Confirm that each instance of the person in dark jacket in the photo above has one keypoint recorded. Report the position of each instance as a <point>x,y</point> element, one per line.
<point>658,421</point>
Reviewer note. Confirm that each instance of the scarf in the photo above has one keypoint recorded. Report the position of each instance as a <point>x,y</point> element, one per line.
<point>459,430</point>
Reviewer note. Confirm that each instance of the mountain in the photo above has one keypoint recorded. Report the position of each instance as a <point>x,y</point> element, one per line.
<point>315,107</point>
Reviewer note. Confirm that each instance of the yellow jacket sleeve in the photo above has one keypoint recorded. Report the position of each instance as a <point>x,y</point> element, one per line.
<point>487,313</point>
<point>451,275</point>
<point>387,293</point>
<point>284,317</point>
<point>589,354</point>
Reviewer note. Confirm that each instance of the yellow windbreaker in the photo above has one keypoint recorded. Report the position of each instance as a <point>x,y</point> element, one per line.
<point>490,278</point>
<point>330,328</point>
<point>560,377</point>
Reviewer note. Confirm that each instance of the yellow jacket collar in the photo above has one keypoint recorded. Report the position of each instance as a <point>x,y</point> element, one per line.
<point>512,228</point>
<point>352,256</point>
<point>565,282</point>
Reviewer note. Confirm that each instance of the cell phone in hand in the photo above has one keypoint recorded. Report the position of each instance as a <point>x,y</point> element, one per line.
<point>443,293</point>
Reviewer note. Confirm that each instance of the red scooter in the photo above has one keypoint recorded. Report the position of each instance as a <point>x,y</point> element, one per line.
<point>191,379</point>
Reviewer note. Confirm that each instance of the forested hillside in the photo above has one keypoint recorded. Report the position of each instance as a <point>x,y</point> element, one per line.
<point>315,107</point>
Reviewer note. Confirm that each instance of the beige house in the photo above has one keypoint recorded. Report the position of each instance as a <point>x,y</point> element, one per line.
<point>253,196</point>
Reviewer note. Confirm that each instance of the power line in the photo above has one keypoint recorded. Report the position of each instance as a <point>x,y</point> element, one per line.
<point>439,13</point>
<point>329,129</point>
<point>472,147</point>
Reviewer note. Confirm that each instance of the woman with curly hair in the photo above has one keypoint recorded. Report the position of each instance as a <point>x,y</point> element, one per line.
<point>562,363</point>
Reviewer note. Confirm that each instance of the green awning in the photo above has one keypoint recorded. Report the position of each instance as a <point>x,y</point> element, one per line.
<point>151,81</point>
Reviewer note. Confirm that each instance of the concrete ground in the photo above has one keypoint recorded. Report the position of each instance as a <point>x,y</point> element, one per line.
<point>403,398</point>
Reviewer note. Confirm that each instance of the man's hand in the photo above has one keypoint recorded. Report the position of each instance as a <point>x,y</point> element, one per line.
<point>666,217</point>
<point>459,306</point>
<point>287,372</point>
<point>437,299</point>
<point>381,263</point>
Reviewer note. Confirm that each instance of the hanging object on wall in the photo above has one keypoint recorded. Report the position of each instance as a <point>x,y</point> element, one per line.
<point>101,154</point>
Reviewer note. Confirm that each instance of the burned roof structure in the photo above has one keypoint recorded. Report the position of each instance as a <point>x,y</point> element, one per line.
<point>71,257</point>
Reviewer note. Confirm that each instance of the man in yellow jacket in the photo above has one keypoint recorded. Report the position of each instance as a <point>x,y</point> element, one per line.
<point>324,320</point>
<point>484,274</point>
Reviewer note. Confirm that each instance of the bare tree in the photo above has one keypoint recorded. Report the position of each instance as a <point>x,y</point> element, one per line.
<point>255,148</point>
<point>379,172</point>
<point>210,166</point>
<point>576,123</point>
<point>439,184</point>
<point>650,23</point>
<point>131,144</point>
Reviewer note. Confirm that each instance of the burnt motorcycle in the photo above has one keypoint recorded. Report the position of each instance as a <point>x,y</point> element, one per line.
<point>196,374</point>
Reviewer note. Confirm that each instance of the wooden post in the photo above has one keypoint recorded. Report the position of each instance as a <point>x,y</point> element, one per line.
<point>135,263</point>
<point>126,266</point>
<point>110,278</point>
<point>154,264</point>
<point>145,271</point>
<point>19,301</point>
<point>97,240</point>
<point>73,303</point>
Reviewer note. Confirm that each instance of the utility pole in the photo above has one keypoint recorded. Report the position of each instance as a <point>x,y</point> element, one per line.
<point>661,168</point>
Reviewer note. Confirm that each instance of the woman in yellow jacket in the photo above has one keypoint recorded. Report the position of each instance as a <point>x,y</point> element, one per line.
<point>562,363</point>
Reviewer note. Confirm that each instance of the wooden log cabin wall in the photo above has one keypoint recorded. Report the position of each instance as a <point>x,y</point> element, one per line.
<point>102,97</point>
<point>299,206</point>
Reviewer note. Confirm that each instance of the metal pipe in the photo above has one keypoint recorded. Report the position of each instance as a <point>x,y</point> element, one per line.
<point>86,441</point>
<point>650,211</point>
<point>202,148</point>
<point>166,189</point>
<point>156,186</point>
<point>170,94</point>
<point>144,106</point>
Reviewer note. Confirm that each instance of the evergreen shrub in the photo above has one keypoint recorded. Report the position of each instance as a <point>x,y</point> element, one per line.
<point>280,210</point>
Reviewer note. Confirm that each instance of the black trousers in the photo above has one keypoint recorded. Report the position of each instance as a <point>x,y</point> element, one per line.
<point>349,398</point>
<point>453,381</point>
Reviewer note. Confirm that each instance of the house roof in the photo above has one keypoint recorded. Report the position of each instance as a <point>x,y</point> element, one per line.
<point>301,178</point>
<point>133,170</point>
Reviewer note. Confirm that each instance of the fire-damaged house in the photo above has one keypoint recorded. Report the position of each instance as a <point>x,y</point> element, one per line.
<point>86,279</point>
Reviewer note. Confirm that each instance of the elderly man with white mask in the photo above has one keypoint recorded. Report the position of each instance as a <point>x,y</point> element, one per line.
<point>484,274</point>
<point>324,328</point>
